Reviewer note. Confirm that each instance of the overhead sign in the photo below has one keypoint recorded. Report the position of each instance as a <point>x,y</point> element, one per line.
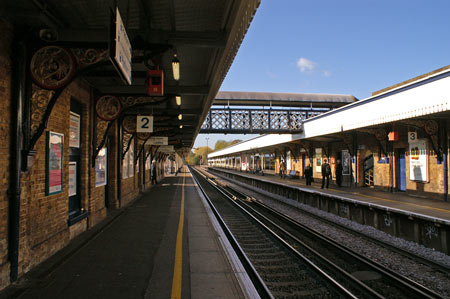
<point>166,149</point>
<point>158,141</point>
<point>412,136</point>
<point>144,124</point>
<point>120,49</point>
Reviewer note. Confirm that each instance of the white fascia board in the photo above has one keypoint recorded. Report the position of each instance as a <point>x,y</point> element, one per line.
<point>428,96</point>
<point>422,97</point>
<point>256,143</point>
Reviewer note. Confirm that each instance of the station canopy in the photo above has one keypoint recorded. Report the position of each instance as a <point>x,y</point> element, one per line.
<point>204,35</point>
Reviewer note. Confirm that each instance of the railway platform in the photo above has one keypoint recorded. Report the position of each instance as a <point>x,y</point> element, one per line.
<point>162,245</point>
<point>419,219</point>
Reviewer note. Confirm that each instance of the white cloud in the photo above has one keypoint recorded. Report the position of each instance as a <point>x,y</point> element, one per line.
<point>327,73</point>
<point>305,64</point>
<point>271,75</point>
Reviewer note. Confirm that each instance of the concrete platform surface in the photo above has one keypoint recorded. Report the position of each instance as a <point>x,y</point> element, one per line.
<point>132,254</point>
<point>419,205</point>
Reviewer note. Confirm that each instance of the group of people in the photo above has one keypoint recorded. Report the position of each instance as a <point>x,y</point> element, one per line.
<point>326,174</point>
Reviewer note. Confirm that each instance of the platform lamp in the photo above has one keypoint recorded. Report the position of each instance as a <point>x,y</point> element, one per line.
<point>178,100</point>
<point>176,67</point>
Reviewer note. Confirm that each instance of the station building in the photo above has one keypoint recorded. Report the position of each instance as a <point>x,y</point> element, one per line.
<point>74,79</point>
<point>395,140</point>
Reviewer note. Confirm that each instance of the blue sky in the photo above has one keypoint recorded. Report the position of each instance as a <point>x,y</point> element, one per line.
<point>344,47</point>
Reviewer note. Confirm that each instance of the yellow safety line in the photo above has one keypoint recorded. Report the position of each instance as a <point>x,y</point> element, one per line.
<point>176,282</point>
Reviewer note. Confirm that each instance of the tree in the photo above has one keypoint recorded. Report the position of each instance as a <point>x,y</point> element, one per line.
<point>221,144</point>
<point>198,156</point>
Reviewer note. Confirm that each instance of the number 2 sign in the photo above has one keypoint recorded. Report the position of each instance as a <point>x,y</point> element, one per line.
<point>144,124</point>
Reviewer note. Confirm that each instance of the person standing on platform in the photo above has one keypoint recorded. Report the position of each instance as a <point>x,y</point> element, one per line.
<point>308,174</point>
<point>282,169</point>
<point>154,181</point>
<point>326,173</point>
<point>338,173</point>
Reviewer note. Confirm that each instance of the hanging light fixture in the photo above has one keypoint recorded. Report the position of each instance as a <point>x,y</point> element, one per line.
<point>181,126</point>
<point>178,100</point>
<point>176,67</point>
<point>180,116</point>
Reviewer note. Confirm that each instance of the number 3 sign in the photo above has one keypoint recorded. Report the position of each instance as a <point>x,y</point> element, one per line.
<point>144,124</point>
<point>412,136</point>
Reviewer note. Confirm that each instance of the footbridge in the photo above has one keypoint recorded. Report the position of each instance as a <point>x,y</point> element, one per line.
<point>265,112</point>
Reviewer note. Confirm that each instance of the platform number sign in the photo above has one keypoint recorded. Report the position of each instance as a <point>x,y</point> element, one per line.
<point>412,136</point>
<point>144,124</point>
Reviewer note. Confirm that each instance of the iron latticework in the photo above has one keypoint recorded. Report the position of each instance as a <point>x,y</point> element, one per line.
<point>259,121</point>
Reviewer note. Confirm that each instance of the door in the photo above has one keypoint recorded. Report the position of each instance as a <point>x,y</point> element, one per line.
<point>74,159</point>
<point>303,164</point>
<point>401,170</point>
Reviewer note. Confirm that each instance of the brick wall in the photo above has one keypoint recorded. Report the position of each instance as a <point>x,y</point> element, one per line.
<point>129,187</point>
<point>5,116</point>
<point>45,222</point>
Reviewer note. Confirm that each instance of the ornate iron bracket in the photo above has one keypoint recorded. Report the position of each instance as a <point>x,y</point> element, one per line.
<point>380,135</point>
<point>109,108</point>
<point>148,153</point>
<point>52,69</point>
<point>142,147</point>
<point>127,147</point>
<point>307,146</point>
<point>348,140</point>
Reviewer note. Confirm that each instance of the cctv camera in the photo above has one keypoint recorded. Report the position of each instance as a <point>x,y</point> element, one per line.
<point>48,35</point>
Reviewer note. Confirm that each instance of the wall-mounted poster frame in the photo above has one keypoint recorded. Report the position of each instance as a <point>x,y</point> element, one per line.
<point>54,163</point>
<point>101,165</point>
<point>75,126</point>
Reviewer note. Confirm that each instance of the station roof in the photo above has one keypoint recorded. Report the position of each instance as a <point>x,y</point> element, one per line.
<point>247,98</point>
<point>204,34</point>
<point>421,99</point>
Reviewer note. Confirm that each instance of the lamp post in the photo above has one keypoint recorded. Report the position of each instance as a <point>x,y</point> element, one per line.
<point>207,147</point>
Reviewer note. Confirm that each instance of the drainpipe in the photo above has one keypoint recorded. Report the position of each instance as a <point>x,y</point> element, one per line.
<point>119,163</point>
<point>17,97</point>
<point>445,159</point>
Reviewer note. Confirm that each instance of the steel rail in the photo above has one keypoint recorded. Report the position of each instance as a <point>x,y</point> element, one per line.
<point>317,269</point>
<point>438,266</point>
<point>419,290</point>
<point>258,282</point>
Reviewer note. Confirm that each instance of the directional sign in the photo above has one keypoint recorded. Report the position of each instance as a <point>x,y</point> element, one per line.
<point>158,141</point>
<point>120,49</point>
<point>166,149</point>
<point>144,124</point>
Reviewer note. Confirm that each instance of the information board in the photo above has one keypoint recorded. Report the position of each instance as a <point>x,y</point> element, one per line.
<point>160,140</point>
<point>120,50</point>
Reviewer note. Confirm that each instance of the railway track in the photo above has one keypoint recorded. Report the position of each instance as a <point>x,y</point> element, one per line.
<point>283,271</point>
<point>280,271</point>
<point>431,263</point>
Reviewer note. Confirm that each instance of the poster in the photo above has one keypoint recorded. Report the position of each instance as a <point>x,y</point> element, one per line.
<point>147,163</point>
<point>288,161</point>
<point>137,166</point>
<point>319,160</point>
<point>72,178</point>
<point>125,167</point>
<point>101,167</point>
<point>74,135</point>
<point>54,163</point>
<point>131,160</point>
<point>346,162</point>
<point>418,161</point>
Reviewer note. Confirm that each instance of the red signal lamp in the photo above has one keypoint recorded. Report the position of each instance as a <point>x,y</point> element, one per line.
<point>393,136</point>
<point>155,82</point>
